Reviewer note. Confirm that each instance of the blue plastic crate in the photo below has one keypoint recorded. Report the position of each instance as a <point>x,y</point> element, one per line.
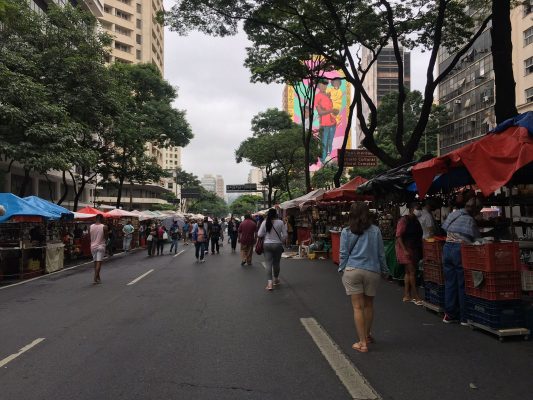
<point>495,314</point>
<point>434,293</point>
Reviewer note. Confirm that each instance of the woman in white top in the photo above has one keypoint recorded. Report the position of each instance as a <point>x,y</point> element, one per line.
<point>274,232</point>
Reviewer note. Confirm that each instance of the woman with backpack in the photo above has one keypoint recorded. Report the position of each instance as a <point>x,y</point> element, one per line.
<point>199,238</point>
<point>274,232</point>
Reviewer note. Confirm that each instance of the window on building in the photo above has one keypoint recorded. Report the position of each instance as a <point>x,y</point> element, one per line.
<point>529,95</point>
<point>128,2</point>
<point>108,9</point>
<point>139,8</point>
<point>138,54</point>
<point>123,15</point>
<point>139,24</point>
<point>528,36</point>
<point>139,39</point>
<point>122,30</point>
<point>122,47</point>
<point>528,66</point>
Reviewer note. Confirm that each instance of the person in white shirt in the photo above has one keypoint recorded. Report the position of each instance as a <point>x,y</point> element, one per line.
<point>425,217</point>
<point>274,233</point>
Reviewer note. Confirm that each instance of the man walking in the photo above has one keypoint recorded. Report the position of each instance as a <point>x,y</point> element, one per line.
<point>247,235</point>
<point>215,236</point>
<point>127,230</point>
<point>98,232</point>
<point>174,236</point>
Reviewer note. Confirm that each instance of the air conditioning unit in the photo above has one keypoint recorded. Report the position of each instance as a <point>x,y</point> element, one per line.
<point>486,99</point>
<point>473,119</point>
<point>458,101</point>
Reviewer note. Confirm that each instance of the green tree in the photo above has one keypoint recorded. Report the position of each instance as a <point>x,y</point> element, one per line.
<point>246,204</point>
<point>145,116</point>
<point>337,30</point>
<point>324,178</point>
<point>208,204</point>
<point>275,147</point>
<point>36,130</point>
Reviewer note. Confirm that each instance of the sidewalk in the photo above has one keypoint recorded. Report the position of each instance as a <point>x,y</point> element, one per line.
<point>416,356</point>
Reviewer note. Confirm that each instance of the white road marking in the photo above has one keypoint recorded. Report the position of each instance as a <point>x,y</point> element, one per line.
<point>178,253</point>
<point>20,352</point>
<point>348,373</point>
<point>133,282</point>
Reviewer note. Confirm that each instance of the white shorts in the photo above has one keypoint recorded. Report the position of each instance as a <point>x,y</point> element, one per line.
<point>98,254</point>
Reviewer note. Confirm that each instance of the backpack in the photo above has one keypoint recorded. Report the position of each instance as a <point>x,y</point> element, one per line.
<point>174,233</point>
<point>200,235</point>
<point>215,230</point>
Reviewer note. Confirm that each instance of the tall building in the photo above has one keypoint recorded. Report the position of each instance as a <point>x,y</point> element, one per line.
<point>209,183</point>
<point>256,175</point>
<point>468,92</point>
<point>219,187</point>
<point>382,78</point>
<point>137,36</point>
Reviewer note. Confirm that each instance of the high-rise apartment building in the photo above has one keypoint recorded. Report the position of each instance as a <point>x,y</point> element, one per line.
<point>256,175</point>
<point>137,36</point>
<point>219,187</point>
<point>209,183</point>
<point>382,78</point>
<point>468,92</point>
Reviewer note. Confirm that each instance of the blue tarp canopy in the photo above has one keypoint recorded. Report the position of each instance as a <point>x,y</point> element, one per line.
<point>456,177</point>
<point>15,206</point>
<point>50,207</point>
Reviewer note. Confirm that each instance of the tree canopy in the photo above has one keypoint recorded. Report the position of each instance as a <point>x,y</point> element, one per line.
<point>246,203</point>
<point>338,31</point>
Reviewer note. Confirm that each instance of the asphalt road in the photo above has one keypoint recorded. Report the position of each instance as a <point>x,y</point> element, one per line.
<point>211,331</point>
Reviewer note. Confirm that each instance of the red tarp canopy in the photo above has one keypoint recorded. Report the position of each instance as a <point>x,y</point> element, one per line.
<point>491,161</point>
<point>117,213</point>
<point>346,192</point>
<point>90,210</point>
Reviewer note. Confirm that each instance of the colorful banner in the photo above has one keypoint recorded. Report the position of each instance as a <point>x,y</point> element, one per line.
<point>330,116</point>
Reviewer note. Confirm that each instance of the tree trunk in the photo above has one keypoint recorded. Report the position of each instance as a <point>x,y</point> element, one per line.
<point>502,51</point>
<point>65,190</point>
<point>119,193</point>
<point>22,190</point>
<point>340,154</point>
<point>79,193</point>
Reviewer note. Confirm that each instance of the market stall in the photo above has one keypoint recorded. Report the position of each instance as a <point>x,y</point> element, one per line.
<point>497,270</point>
<point>30,237</point>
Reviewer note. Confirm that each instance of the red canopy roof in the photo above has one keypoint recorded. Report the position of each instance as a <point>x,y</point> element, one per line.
<point>90,210</point>
<point>346,192</point>
<point>491,161</point>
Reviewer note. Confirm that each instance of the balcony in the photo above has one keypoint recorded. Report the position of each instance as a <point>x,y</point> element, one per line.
<point>96,7</point>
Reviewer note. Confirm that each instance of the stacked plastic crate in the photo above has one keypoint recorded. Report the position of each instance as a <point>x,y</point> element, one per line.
<point>493,284</point>
<point>433,273</point>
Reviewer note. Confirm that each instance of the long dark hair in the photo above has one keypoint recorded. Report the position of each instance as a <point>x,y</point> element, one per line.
<point>272,214</point>
<point>360,219</point>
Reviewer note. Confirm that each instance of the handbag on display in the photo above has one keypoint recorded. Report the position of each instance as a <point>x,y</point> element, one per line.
<point>259,245</point>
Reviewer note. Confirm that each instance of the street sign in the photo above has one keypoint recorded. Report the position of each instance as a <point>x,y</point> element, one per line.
<point>190,193</point>
<point>247,187</point>
<point>359,158</point>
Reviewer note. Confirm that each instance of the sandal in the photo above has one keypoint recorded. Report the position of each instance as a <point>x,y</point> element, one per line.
<point>269,287</point>
<point>406,299</point>
<point>359,347</point>
<point>276,282</point>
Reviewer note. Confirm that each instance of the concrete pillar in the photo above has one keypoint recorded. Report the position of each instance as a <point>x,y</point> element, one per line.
<point>58,191</point>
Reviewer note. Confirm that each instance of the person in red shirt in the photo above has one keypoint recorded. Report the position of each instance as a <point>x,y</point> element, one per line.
<point>247,236</point>
<point>328,121</point>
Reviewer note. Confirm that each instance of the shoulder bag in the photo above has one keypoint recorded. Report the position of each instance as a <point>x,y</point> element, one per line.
<point>259,245</point>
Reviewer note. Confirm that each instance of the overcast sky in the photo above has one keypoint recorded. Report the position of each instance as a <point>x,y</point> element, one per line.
<point>214,88</point>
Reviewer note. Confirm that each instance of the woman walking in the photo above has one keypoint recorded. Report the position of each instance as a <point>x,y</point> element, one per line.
<point>362,258</point>
<point>274,232</point>
<point>151,240</point>
<point>162,237</point>
<point>409,252</point>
